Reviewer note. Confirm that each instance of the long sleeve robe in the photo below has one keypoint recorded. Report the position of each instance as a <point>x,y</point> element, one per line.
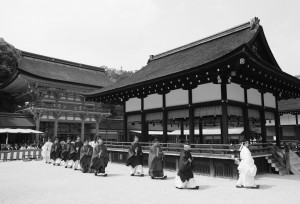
<point>78,146</point>
<point>99,158</point>
<point>247,169</point>
<point>85,157</point>
<point>155,161</point>
<point>185,166</point>
<point>56,151</point>
<point>72,151</point>
<point>64,153</point>
<point>135,155</point>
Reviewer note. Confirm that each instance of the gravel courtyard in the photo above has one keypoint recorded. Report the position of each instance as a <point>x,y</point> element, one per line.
<point>37,182</point>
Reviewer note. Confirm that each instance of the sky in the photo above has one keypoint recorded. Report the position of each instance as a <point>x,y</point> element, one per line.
<point>124,33</point>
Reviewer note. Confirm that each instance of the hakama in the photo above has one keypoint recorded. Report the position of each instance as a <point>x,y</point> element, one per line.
<point>85,157</point>
<point>247,170</point>
<point>155,162</point>
<point>99,160</point>
<point>78,146</point>
<point>64,153</point>
<point>56,153</point>
<point>185,176</point>
<point>135,159</point>
<point>72,155</point>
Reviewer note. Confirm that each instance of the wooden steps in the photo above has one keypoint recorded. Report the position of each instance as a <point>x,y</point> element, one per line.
<point>276,165</point>
<point>294,163</point>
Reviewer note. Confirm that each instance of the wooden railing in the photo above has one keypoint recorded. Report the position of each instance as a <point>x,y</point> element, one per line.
<point>208,150</point>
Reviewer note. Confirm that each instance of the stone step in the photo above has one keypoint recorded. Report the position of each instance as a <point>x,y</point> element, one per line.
<point>282,173</point>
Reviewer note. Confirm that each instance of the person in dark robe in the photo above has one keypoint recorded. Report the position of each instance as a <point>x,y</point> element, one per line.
<point>56,152</point>
<point>78,145</point>
<point>99,159</point>
<point>86,152</point>
<point>155,161</point>
<point>71,154</point>
<point>185,176</point>
<point>64,152</point>
<point>135,158</point>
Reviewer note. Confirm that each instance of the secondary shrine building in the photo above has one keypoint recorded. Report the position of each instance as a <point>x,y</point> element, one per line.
<point>221,89</point>
<point>52,89</point>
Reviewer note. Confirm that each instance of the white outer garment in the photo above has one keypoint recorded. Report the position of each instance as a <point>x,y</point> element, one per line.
<point>46,150</point>
<point>137,169</point>
<point>187,184</point>
<point>247,169</point>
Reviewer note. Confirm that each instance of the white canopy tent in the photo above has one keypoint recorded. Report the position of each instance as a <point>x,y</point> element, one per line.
<point>17,130</point>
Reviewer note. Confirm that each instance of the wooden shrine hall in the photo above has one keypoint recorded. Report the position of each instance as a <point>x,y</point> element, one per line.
<point>223,83</point>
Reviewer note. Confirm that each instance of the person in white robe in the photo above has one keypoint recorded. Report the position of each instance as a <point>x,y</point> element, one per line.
<point>247,169</point>
<point>46,150</point>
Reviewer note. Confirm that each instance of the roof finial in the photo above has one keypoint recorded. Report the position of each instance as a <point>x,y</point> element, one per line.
<point>253,22</point>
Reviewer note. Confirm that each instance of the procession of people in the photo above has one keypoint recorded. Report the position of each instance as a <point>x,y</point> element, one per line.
<point>92,157</point>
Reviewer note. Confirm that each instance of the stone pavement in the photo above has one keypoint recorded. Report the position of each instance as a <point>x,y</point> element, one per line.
<point>37,182</point>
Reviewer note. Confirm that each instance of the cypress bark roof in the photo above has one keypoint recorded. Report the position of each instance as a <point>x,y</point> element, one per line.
<point>61,70</point>
<point>190,56</point>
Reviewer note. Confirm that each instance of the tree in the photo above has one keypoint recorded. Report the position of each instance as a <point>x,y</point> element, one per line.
<point>116,75</point>
<point>9,56</point>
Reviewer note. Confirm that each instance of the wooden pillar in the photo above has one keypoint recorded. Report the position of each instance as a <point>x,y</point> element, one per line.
<point>165,120</point>
<point>201,139</point>
<point>82,117</point>
<point>96,128</point>
<point>181,128</point>
<point>224,118</point>
<point>246,117</point>
<point>56,116</point>
<point>37,127</point>
<point>191,117</point>
<point>277,125</point>
<point>55,127</point>
<point>144,124</point>
<point>263,120</point>
<point>297,130</point>
<point>125,127</point>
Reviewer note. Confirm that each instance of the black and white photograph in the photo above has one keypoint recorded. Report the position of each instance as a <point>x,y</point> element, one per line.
<point>149,101</point>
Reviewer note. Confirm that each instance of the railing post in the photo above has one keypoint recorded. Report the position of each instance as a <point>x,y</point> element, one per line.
<point>211,168</point>
<point>287,159</point>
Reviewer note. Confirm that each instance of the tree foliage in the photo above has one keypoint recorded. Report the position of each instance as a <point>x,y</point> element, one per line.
<point>116,75</point>
<point>9,56</point>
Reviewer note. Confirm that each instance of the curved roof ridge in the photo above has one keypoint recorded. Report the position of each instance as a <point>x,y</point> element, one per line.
<point>251,24</point>
<point>60,61</point>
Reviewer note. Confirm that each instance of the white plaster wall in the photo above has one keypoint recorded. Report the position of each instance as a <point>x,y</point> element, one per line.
<point>235,92</point>
<point>153,101</point>
<point>177,97</point>
<point>206,92</point>
<point>269,100</point>
<point>133,104</point>
<point>254,97</point>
